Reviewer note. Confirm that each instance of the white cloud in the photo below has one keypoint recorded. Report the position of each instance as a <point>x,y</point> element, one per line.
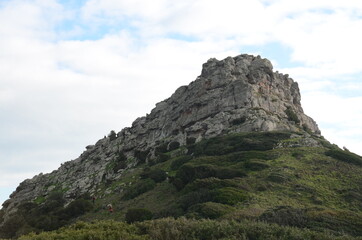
<point>58,95</point>
<point>338,116</point>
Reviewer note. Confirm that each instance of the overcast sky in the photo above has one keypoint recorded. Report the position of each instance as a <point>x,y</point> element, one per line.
<point>72,70</point>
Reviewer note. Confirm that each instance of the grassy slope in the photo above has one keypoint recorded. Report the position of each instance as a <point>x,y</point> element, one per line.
<point>243,177</point>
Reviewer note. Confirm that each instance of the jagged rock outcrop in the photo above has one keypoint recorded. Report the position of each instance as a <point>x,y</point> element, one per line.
<point>237,94</point>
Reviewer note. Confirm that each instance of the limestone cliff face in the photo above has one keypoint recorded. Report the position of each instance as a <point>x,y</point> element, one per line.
<point>237,94</point>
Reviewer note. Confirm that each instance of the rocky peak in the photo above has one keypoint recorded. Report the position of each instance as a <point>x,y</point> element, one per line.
<point>237,94</point>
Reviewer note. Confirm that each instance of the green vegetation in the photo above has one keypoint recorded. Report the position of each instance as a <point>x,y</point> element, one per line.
<point>345,156</point>
<point>238,186</point>
<point>183,229</point>
<point>138,215</point>
<point>291,115</point>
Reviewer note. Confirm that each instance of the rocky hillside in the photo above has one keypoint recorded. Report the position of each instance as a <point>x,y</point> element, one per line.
<point>239,95</point>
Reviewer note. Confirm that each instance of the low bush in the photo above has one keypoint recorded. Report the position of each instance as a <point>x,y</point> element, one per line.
<point>188,173</point>
<point>345,156</point>
<point>256,165</point>
<point>337,221</point>
<point>184,229</point>
<point>138,215</point>
<point>138,189</point>
<point>76,208</point>
<point>141,155</point>
<point>157,175</point>
<point>195,197</point>
<point>278,177</point>
<point>208,183</point>
<point>238,142</point>
<point>228,195</point>
<point>291,115</point>
<point>286,216</point>
<point>173,145</point>
<point>210,210</point>
<point>179,161</point>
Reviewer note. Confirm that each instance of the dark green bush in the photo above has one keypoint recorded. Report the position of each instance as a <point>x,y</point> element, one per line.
<point>286,216</point>
<point>291,115</point>
<point>76,208</point>
<point>179,161</point>
<point>162,148</point>
<point>156,175</point>
<point>195,197</point>
<point>139,188</point>
<point>238,142</point>
<point>278,177</point>
<point>256,165</point>
<point>190,140</point>
<point>208,183</point>
<point>238,121</point>
<point>227,173</point>
<point>228,195</point>
<point>138,215</point>
<point>173,145</point>
<point>162,157</point>
<point>184,229</point>
<point>54,201</point>
<point>141,155</point>
<point>337,221</point>
<point>188,173</point>
<point>10,227</point>
<point>345,156</point>
<point>211,210</point>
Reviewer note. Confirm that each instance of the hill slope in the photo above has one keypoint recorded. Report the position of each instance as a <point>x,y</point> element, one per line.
<point>234,145</point>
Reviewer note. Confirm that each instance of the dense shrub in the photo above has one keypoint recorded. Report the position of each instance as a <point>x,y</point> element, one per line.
<point>188,173</point>
<point>238,142</point>
<point>157,175</point>
<point>285,215</point>
<point>139,188</point>
<point>188,229</point>
<point>208,183</point>
<point>291,115</point>
<point>345,156</point>
<point>227,173</point>
<point>141,155</point>
<point>54,202</point>
<point>161,157</point>
<point>162,148</point>
<point>138,215</point>
<point>190,140</point>
<point>210,210</point>
<point>337,221</point>
<point>173,145</point>
<point>99,230</point>
<point>238,121</point>
<point>11,226</point>
<point>278,177</point>
<point>256,165</point>
<point>195,197</point>
<point>228,195</point>
<point>183,229</point>
<point>76,208</point>
<point>179,161</point>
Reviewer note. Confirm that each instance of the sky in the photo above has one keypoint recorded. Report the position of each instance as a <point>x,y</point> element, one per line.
<point>73,70</point>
